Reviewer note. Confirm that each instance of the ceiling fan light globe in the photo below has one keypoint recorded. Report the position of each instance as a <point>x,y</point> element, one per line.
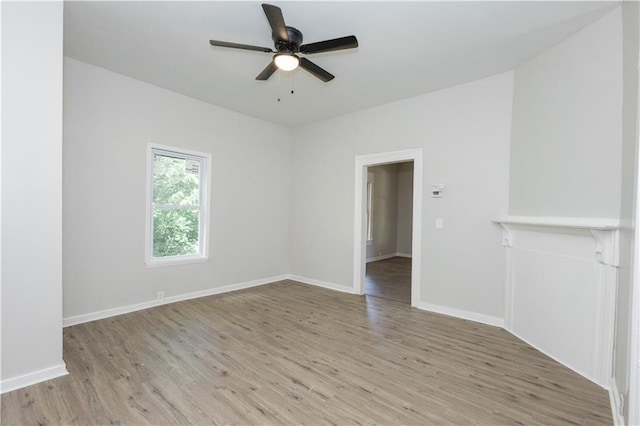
<point>286,62</point>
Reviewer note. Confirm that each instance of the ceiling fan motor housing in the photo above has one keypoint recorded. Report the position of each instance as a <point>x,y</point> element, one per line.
<point>288,43</point>
<point>291,46</point>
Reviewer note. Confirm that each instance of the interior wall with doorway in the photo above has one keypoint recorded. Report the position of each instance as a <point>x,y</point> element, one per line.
<point>464,135</point>
<point>391,211</point>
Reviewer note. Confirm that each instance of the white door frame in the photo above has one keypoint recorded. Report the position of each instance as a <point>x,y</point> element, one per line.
<point>363,162</point>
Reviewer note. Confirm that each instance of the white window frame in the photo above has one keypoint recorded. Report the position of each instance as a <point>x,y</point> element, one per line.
<point>205,183</point>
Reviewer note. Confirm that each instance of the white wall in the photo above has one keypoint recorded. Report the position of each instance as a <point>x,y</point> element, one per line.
<point>565,150</point>
<point>464,132</point>
<point>31,193</point>
<point>108,121</point>
<point>565,163</point>
<point>405,208</point>
<point>385,211</point>
<point>629,168</point>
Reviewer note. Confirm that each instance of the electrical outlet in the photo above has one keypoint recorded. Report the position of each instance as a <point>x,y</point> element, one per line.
<point>160,295</point>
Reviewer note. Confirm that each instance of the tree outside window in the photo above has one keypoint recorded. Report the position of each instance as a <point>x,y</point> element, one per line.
<point>177,213</point>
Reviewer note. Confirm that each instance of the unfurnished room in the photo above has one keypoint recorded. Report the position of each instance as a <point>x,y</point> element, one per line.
<point>320,212</point>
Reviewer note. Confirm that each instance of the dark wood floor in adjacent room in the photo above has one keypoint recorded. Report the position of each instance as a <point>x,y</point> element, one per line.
<point>389,279</point>
<point>289,353</point>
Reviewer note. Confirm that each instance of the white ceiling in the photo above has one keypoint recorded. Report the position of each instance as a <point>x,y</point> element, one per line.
<point>406,48</point>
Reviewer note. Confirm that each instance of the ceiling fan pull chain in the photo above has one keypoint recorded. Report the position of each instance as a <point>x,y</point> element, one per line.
<point>279,85</point>
<point>293,80</point>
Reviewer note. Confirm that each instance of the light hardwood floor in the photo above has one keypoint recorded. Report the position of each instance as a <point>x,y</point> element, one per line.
<point>289,353</point>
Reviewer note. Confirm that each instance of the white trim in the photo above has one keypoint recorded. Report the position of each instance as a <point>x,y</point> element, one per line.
<point>318,283</point>
<point>383,257</point>
<point>509,280</point>
<point>362,162</point>
<point>204,208</point>
<point>605,323</point>
<point>107,313</point>
<point>605,235</point>
<point>388,256</point>
<point>607,246</point>
<point>596,223</point>
<point>29,379</point>
<point>461,314</point>
<point>614,399</point>
<point>176,260</point>
<point>93,316</point>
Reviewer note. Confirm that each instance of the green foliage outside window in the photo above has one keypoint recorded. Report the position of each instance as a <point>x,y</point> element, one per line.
<point>176,215</point>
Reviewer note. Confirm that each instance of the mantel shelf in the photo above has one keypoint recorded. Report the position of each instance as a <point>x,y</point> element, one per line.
<point>605,232</point>
<point>591,223</point>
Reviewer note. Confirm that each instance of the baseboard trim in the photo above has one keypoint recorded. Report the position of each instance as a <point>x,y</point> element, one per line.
<point>324,284</point>
<point>459,313</point>
<point>93,316</point>
<point>29,379</point>
<point>382,257</point>
<point>614,399</point>
<point>387,256</point>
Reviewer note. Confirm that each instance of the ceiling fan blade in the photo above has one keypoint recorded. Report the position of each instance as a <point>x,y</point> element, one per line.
<point>348,42</point>
<point>267,71</point>
<point>276,20</point>
<point>316,70</point>
<point>239,46</point>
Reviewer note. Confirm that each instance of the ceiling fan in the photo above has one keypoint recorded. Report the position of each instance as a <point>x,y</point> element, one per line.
<point>288,44</point>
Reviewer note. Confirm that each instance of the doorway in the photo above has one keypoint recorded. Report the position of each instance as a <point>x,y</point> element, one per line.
<point>389,209</point>
<point>363,232</point>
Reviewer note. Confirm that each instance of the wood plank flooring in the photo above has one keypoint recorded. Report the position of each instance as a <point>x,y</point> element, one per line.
<point>390,279</point>
<point>289,353</point>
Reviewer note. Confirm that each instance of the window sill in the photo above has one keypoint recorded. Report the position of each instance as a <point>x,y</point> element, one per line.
<point>154,263</point>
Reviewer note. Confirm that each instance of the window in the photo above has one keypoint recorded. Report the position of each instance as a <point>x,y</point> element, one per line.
<point>370,211</point>
<point>177,213</point>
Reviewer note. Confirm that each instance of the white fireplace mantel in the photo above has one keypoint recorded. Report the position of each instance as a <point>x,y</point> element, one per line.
<point>560,288</point>
<point>605,231</point>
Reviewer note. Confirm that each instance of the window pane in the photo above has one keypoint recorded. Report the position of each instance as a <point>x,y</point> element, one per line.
<point>175,232</point>
<point>176,181</point>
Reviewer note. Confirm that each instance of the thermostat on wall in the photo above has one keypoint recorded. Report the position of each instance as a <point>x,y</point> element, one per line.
<point>437,190</point>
